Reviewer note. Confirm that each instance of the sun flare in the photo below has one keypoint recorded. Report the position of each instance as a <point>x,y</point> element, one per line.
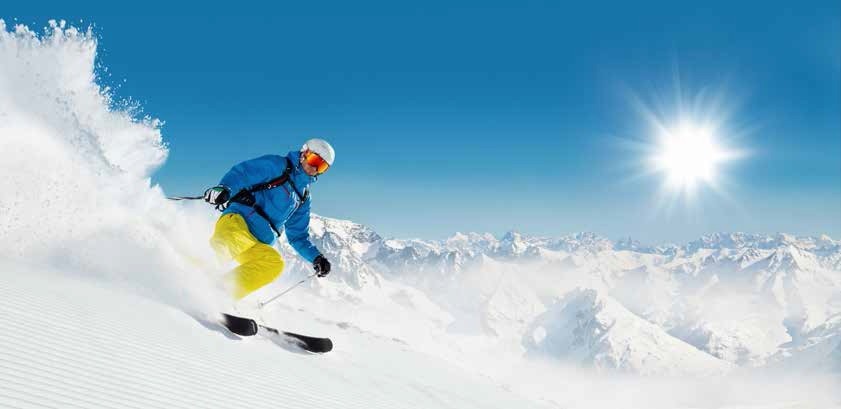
<point>687,155</point>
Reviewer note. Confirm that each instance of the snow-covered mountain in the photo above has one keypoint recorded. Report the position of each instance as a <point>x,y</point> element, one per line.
<point>819,348</point>
<point>734,297</point>
<point>592,328</point>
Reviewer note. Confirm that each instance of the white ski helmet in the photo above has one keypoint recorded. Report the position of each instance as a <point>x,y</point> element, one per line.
<point>322,148</point>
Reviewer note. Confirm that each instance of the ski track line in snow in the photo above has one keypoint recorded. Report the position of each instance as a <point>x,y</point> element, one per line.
<point>143,372</point>
<point>52,380</point>
<point>126,329</point>
<point>74,399</point>
<point>176,360</point>
<point>125,379</point>
<point>131,377</point>
<point>102,379</point>
<point>75,344</point>
<point>15,403</point>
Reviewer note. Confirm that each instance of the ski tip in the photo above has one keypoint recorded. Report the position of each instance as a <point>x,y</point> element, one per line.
<point>315,345</point>
<point>245,327</point>
<point>326,346</point>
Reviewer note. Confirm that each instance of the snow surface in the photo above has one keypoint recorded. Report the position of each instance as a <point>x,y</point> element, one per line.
<point>107,301</point>
<point>71,344</point>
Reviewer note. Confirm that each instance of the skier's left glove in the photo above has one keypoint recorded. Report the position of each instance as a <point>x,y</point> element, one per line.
<point>321,266</point>
<point>217,195</point>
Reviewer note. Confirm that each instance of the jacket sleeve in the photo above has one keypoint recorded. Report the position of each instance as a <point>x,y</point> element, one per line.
<point>298,235</point>
<point>251,172</point>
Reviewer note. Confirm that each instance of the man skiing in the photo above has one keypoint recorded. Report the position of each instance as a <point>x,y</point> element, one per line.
<point>260,198</point>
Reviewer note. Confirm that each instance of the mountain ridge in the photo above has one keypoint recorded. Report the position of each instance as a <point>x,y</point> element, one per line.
<point>736,297</point>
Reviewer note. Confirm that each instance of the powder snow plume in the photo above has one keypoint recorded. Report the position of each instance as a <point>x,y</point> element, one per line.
<point>729,321</point>
<point>76,172</point>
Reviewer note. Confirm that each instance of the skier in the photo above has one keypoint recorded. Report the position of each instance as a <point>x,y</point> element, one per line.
<point>260,198</point>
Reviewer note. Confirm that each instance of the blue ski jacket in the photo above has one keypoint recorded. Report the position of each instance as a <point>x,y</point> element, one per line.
<point>281,204</point>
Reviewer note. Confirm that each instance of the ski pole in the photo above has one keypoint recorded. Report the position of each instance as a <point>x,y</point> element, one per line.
<point>264,303</point>
<point>185,197</point>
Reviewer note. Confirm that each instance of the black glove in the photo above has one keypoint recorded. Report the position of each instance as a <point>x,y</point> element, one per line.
<point>321,266</point>
<point>217,195</point>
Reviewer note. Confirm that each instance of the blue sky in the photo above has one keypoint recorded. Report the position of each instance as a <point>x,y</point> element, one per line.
<point>490,116</point>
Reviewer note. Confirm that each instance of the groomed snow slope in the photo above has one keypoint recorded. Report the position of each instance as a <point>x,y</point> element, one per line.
<point>74,344</point>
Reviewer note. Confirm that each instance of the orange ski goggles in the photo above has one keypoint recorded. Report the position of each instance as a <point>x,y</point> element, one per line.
<point>316,161</point>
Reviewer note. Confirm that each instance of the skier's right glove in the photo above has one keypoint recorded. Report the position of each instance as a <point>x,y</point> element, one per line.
<point>321,266</point>
<point>217,195</point>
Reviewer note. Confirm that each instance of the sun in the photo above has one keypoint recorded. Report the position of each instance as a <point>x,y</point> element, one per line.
<point>690,143</point>
<point>688,155</point>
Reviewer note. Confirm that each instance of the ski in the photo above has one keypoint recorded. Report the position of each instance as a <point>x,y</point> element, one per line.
<point>247,327</point>
<point>241,326</point>
<point>317,345</point>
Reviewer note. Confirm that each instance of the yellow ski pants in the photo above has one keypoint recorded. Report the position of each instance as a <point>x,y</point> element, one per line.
<point>260,263</point>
